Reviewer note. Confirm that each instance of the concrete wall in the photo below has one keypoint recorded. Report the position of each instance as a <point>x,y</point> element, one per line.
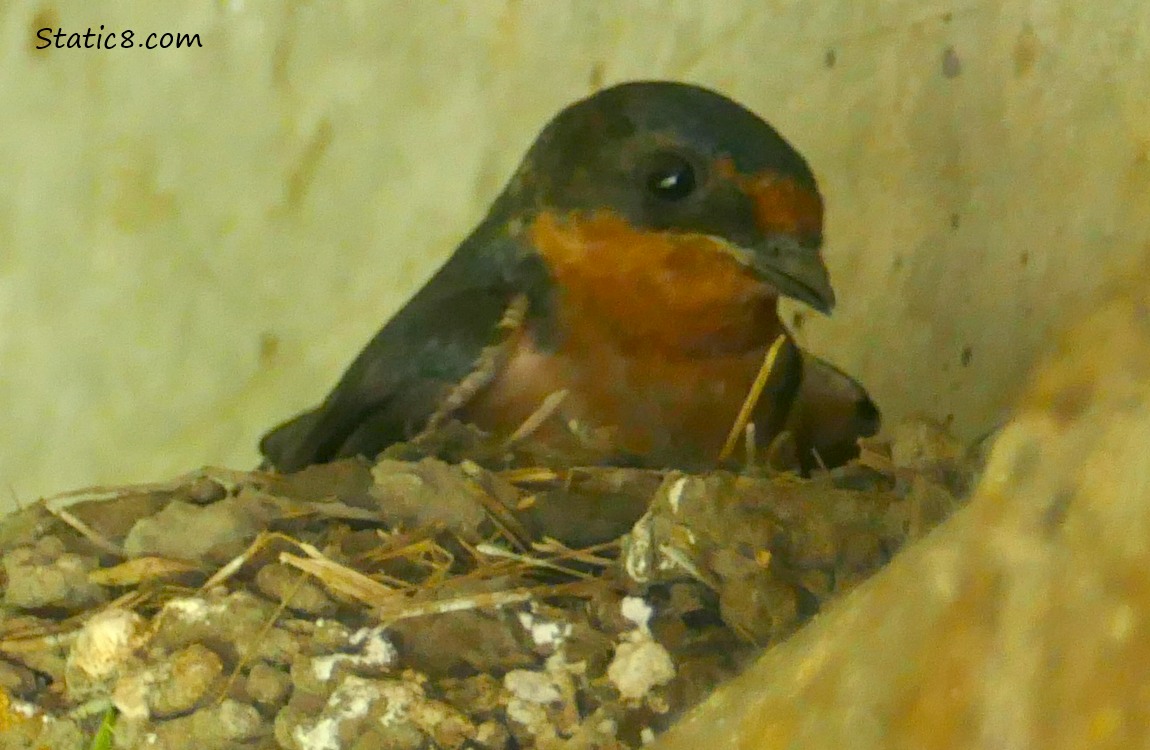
<point>194,243</point>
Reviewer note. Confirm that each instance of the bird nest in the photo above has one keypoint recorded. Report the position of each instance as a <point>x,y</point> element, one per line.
<point>451,595</point>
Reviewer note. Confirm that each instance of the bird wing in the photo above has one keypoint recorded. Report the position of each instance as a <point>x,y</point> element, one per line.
<point>404,374</point>
<point>831,412</point>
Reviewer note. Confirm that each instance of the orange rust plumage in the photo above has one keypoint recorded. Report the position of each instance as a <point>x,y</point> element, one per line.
<point>662,338</point>
<point>781,203</point>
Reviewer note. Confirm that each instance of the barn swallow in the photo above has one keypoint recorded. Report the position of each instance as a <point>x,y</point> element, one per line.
<point>622,292</point>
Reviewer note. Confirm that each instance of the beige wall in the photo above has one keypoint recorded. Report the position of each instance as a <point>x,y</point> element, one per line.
<point>194,243</point>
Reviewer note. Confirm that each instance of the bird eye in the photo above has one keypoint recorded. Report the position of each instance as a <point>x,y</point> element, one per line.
<point>670,177</point>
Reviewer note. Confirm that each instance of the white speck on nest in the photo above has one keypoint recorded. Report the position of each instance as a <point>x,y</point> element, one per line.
<point>639,550</point>
<point>536,695</point>
<point>533,687</point>
<point>676,493</point>
<point>640,662</point>
<point>636,610</point>
<point>545,632</point>
<point>400,697</point>
<point>531,715</point>
<point>20,708</point>
<point>351,700</point>
<point>531,692</point>
<point>638,666</point>
<point>106,642</point>
<point>374,651</point>
<point>191,609</point>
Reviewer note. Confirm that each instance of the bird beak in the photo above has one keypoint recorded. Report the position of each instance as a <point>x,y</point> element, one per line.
<point>792,267</point>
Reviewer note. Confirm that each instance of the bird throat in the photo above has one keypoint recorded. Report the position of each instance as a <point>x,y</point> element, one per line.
<point>681,294</point>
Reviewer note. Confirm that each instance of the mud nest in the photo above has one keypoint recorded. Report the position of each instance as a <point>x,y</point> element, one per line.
<point>450,595</point>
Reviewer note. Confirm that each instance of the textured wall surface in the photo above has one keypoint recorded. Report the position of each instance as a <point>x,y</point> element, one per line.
<point>194,243</point>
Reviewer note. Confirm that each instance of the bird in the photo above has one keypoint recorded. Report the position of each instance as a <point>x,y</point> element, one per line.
<point>620,296</point>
